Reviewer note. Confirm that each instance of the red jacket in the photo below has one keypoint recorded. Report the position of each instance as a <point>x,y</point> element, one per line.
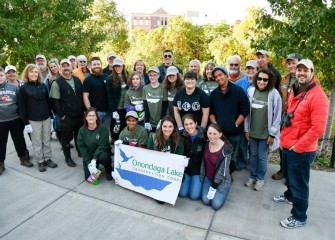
<point>309,121</point>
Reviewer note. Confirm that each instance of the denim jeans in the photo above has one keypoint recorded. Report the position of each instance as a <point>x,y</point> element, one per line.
<point>191,186</point>
<point>258,158</point>
<point>219,198</point>
<point>243,153</point>
<point>235,141</point>
<point>105,118</point>
<point>297,172</point>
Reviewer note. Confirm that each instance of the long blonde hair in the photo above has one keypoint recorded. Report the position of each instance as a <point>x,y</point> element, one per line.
<point>27,69</point>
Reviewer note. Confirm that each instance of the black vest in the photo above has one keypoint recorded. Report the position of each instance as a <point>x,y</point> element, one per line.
<point>71,101</point>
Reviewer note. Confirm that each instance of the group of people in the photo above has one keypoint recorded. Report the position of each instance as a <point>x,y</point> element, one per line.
<point>209,118</point>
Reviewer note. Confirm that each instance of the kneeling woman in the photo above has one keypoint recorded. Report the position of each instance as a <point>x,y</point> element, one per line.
<point>194,145</point>
<point>93,143</point>
<point>214,172</point>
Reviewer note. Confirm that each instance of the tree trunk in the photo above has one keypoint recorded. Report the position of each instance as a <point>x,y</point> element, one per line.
<point>326,137</point>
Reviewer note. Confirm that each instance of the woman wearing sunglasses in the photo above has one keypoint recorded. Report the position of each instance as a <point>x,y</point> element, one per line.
<point>262,125</point>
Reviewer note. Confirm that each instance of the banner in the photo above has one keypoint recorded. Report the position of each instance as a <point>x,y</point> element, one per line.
<point>154,174</point>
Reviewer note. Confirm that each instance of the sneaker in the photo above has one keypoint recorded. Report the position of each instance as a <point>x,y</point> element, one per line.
<point>250,182</point>
<point>2,167</point>
<point>41,167</point>
<point>278,175</point>
<point>25,162</point>
<point>291,222</point>
<point>281,199</point>
<point>49,164</point>
<point>259,185</point>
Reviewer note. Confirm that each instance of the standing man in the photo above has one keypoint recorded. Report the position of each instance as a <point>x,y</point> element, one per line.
<point>246,81</point>
<point>234,64</point>
<point>11,76</point>
<point>305,122</point>
<point>82,71</point>
<point>94,91</point>
<point>285,87</point>
<point>41,63</point>
<point>110,59</point>
<point>229,107</point>
<point>67,100</point>
<point>168,61</point>
<point>263,60</point>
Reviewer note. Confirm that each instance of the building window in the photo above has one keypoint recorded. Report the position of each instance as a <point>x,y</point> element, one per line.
<point>135,22</point>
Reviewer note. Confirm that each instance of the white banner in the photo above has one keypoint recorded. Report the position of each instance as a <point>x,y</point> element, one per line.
<point>154,174</point>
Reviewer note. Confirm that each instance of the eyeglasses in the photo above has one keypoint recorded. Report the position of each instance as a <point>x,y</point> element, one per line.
<point>234,64</point>
<point>82,61</point>
<point>262,79</point>
<point>168,56</point>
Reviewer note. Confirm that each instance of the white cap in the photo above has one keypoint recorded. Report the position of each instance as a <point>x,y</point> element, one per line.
<point>40,56</point>
<point>81,58</point>
<point>111,54</point>
<point>172,70</point>
<point>132,114</point>
<point>10,67</point>
<point>118,62</point>
<point>71,57</point>
<point>154,69</point>
<point>65,60</point>
<point>307,63</point>
<point>252,63</point>
<point>262,52</point>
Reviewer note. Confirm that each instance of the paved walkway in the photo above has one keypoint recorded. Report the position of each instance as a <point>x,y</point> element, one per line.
<point>59,204</point>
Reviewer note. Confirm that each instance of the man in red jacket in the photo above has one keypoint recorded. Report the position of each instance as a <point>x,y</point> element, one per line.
<point>303,124</point>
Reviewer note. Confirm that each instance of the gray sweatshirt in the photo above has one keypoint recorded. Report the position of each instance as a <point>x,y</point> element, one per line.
<point>9,109</point>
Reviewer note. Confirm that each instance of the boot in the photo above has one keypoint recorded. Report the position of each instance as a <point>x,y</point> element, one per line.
<point>2,167</point>
<point>67,154</point>
<point>25,162</point>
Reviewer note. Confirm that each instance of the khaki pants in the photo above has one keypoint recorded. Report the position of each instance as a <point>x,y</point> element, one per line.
<point>40,138</point>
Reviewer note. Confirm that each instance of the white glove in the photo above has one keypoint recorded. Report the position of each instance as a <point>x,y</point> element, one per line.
<point>118,142</point>
<point>117,126</point>
<point>159,124</point>
<point>211,193</point>
<point>92,167</point>
<point>148,126</point>
<point>28,129</point>
<point>139,107</point>
<point>186,160</point>
<point>115,177</point>
<point>180,129</point>
<point>116,116</point>
<point>141,116</point>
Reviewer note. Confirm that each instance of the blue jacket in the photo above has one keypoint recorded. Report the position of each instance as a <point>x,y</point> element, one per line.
<point>244,83</point>
<point>163,72</point>
<point>227,107</point>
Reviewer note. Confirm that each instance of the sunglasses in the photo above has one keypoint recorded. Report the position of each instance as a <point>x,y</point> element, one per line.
<point>167,56</point>
<point>82,61</point>
<point>234,64</point>
<point>262,79</point>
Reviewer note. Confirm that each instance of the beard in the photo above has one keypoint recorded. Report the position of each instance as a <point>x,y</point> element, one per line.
<point>234,72</point>
<point>97,71</point>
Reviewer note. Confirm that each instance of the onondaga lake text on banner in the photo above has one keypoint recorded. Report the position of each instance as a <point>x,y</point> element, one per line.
<point>155,174</point>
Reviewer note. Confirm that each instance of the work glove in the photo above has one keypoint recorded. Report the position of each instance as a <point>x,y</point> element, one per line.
<point>116,116</point>
<point>28,129</point>
<point>159,124</point>
<point>92,167</point>
<point>148,126</point>
<point>211,193</point>
<point>118,142</point>
<point>141,116</point>
<point>139,107</point>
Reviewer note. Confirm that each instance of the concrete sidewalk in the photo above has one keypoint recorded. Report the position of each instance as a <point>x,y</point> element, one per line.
<point>59,204</point>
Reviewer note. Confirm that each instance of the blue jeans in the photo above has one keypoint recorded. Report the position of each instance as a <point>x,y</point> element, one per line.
<point>297,172</point>
<point>235,141</point>
<point>243,153</point>
<point>258,158</point>
<point>219,198</point>
<point>105,119</point>
<point>191,187</point>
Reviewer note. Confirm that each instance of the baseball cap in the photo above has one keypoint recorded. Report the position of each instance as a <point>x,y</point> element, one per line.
<point>65,60</point>
<point>222,68</point>
<point>118,62</point>
<point>111,54</point>
<point>40,56</point>
<point>294,56</point>
<point>252,63</point>
<point>262,52</point>
<point>132,114</point>
<point>172,70</point>
<point>307,63</point>
<point>71,57</point>
<point>10,67</point>
<point>154,69</point>
<point>81,58</point>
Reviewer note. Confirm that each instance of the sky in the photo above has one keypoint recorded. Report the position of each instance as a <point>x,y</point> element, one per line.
<point>211,11</point>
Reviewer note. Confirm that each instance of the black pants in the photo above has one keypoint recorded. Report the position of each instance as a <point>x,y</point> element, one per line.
<point>70,127</point>
<point>103,159</point>
<point>15,127</point>
<point>122,114</point>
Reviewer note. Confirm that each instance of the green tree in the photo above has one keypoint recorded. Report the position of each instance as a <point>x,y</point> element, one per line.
<point>306,27</point>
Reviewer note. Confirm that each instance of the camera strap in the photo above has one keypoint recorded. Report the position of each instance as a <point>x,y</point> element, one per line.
<point>309,87</point>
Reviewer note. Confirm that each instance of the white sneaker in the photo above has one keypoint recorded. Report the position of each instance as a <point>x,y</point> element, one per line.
<point>250,182</point>
<point>259,185</point>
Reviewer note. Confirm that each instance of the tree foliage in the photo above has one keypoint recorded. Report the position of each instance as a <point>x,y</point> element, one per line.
<point>55,28</point>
